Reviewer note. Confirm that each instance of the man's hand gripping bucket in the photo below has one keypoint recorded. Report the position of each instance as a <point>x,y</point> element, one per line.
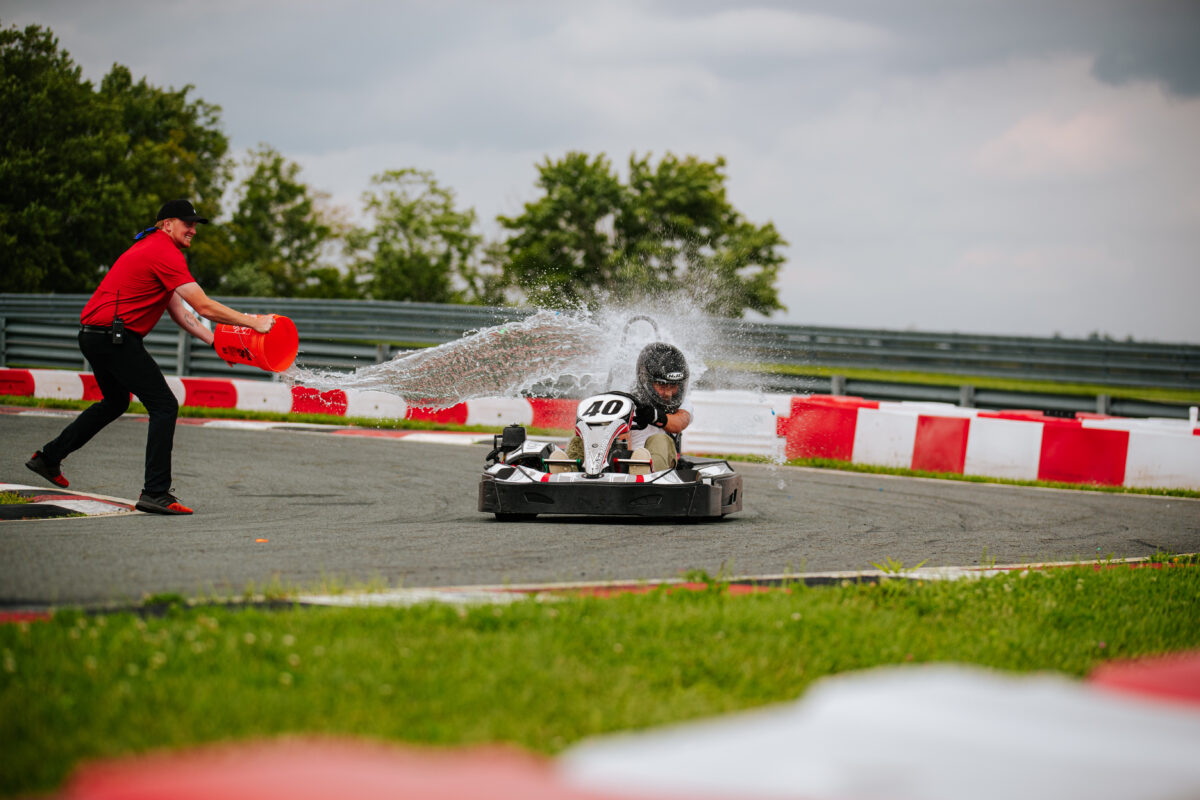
<point>273,351</point>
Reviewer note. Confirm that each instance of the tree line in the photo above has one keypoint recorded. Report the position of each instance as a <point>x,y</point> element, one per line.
<point>84,167</point>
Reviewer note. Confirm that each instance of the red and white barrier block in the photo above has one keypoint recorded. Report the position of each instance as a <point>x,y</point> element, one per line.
<point>247,395</point>
<point>935,437</point>
<point>1019,444</point>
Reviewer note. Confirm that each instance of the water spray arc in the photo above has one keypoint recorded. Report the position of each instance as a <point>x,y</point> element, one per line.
<point>549,354</point>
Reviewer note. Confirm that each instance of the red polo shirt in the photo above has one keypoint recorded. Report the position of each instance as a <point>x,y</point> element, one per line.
<point>139,285</point>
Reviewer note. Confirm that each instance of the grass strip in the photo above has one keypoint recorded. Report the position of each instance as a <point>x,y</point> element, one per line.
<point>540,675</point>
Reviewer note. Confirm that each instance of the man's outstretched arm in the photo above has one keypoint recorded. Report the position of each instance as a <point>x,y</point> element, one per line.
<point>186,320</point>
<point>217,312</point>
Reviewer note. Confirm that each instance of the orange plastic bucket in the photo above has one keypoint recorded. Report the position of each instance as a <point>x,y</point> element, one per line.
<point>273,351</point>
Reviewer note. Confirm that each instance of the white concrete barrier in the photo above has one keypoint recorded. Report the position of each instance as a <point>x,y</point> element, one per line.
<point>56,384</point>
<point>736,422</point>
<point>263,396</point>
<point>376,405</point>
<point>1004,448</point>
<point>885,437</point>
<point>1163,460</point>
<point>499,411</point>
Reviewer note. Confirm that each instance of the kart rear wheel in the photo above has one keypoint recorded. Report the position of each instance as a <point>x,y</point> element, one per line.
<point>503,516</point>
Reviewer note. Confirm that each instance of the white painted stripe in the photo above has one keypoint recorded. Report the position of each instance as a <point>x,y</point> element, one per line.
<point>48,412</point>
<point>243,424</point>
<point>409,597</point>
<point>449,437</point>
<point>506,593</point>
<point>110,504</point>
<point>92,508</point>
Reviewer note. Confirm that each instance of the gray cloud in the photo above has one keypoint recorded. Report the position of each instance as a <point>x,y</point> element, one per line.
<point>1151,40</point>
<point>1157,40</point>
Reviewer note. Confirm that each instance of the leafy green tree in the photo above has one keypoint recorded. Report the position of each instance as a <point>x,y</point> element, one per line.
<point>58,205</point>
<point>83,169</point>
<point>563,247</point>
<point>279,234</point>
<point>175,147</point>
<point>419,247</point>
<point>488,285</point>
<point>590,236</point>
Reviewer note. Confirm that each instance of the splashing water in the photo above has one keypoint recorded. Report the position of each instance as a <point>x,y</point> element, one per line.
<point>552,354</point>
<point>548,354</point>
<point>499,361</point>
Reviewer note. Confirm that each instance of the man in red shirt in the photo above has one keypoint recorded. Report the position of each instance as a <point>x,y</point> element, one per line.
<point>150,277</point>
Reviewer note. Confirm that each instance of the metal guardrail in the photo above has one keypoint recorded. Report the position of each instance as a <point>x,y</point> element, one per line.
<point>1113,363</point>
<point>40,331</point>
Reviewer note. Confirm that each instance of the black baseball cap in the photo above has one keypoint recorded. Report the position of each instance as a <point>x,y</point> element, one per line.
<point>179,209</point>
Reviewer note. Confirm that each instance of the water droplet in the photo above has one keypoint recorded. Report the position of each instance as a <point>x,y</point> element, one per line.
<point>550,353</point>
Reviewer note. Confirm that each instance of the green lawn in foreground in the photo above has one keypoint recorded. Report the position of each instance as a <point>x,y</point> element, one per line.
<point>541,675</point>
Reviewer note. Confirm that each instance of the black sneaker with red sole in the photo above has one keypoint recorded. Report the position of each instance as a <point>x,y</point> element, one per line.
<point>51,472</point>
<point>164,503</point>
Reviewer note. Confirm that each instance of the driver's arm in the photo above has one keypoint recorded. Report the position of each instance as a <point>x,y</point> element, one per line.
<point>677,421</point>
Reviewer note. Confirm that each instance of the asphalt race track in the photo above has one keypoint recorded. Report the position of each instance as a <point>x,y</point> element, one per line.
<point>351,510</point>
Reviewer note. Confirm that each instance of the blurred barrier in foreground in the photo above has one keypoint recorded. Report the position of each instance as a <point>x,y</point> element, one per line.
<point>945,723</point>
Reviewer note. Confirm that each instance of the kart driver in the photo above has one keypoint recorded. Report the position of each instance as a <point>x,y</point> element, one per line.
<point>661,414</point>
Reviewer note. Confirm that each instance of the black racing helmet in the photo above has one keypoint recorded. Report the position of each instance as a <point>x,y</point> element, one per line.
<point>660,362</point>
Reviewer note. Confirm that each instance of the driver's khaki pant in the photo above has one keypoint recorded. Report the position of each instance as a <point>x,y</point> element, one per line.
<point>662,451</point>
<point>660,445</point>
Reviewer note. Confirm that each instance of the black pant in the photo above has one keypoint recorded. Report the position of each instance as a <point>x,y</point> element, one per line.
<point>121,369</point>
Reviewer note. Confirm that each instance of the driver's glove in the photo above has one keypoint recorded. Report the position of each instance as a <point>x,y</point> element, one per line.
<point>647,414</point>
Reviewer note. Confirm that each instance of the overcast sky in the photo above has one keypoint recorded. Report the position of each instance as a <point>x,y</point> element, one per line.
<point>982,167</point>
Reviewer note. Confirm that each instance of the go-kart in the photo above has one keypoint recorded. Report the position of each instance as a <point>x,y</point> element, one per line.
<point>518,484</point>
